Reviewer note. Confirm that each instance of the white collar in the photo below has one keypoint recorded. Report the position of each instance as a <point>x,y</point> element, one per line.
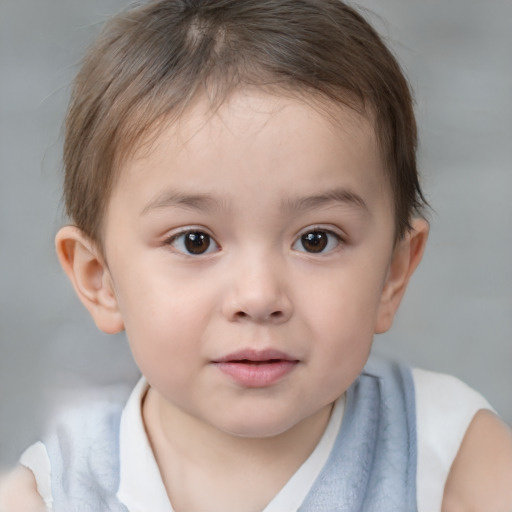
<point>141,487</point>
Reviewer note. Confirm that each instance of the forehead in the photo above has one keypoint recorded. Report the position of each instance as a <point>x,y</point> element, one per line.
<point>263,141</point>
<point>259,105</point>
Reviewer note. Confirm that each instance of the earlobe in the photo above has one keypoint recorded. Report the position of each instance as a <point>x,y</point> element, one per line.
<point>87,271</point>
<point>406,257</point>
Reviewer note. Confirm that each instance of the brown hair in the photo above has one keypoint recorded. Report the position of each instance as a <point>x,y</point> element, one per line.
<point>151,61</point>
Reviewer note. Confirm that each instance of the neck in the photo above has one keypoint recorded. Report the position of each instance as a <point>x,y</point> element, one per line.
<point>231,472</point>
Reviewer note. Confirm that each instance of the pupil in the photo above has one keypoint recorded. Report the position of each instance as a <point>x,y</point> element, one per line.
<point>315,241</point>
<point>197,243</point>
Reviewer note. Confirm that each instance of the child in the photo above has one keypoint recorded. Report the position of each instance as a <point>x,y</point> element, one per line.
<point>242,183</point>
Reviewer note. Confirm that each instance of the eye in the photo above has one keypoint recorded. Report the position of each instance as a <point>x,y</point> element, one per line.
<point>317,241</point>
<point>193,242</point>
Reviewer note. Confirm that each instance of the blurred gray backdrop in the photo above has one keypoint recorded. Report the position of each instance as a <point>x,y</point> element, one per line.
<point>457,315</point>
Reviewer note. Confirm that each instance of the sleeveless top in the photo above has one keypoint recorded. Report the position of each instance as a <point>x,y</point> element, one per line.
<point>372,466</point>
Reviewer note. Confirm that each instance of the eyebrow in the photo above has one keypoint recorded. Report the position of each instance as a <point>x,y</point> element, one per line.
<point>170,199</point>
<point>338,195</point>
<point>207,202</point>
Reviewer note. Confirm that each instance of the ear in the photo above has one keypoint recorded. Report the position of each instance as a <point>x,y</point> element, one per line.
<point>86,268</point>
<point>406,257</point>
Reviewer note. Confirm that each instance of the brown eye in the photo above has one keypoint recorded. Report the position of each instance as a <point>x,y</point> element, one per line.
<point>194,243</point>
<point>197,242</point>
<point>316,241</point>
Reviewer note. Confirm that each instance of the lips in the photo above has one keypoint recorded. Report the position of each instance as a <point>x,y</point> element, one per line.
<point>256,368</point>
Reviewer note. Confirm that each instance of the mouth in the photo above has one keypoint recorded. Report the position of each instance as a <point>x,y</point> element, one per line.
<point>256,368</point>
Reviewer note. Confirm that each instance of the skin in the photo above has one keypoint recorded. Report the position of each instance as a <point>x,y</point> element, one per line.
<point>481,475</point>
<point>253,178</point>
<point>18,492</point>
<point>257,289</point>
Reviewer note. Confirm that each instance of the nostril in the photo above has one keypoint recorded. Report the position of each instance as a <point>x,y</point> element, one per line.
<point>276,315</point>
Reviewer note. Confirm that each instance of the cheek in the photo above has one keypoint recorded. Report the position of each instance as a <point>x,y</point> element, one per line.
<point>163,320</point>
<point>341,319</point>
<point>346,302</point>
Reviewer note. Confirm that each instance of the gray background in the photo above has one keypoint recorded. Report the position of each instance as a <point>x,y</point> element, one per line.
<point>457,315</point>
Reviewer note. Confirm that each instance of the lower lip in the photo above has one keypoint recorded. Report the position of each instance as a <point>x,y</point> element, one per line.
<point>257,374</point>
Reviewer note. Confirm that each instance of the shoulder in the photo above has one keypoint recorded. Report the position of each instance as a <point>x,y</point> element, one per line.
<point>480,478</point>
<point>464,449</point>
<point>18,492</point>
<point>445,407</point>
<point>440,390</point>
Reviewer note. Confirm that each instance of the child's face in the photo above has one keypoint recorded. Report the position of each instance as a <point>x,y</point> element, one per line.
<point>249,253</point>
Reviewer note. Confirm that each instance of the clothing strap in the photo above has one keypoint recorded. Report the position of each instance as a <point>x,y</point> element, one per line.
<point>84,455</point>
<point>372,467</point>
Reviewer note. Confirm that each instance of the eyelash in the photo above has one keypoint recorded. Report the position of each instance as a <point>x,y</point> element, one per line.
<point>315,234</point>
<point>321,241</point>
<point>201,236</point>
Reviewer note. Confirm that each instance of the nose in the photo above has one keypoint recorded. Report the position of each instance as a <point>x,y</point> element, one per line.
<point>258,293</point>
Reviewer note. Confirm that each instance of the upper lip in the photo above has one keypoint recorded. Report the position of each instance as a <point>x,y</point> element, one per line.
<point>255,356</point>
